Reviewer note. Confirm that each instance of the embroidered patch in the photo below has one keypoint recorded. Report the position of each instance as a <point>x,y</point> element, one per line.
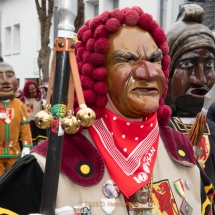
<point>29,108</point>
<point>163,198</point>
<point>205,147</point>
<point>6,114</point>
<point>85,169</point>
<point>186,209</point>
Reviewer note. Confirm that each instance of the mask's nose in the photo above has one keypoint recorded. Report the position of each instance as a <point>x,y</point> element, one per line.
<point>146,71</point>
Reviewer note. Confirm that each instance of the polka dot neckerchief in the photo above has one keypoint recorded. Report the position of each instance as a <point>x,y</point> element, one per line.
<point>129,149</point>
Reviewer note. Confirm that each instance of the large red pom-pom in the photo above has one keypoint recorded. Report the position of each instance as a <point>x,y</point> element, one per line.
<point>78,59</point>
<point>81,31</point>
<point>165,62</point>
<point>161,101</point>
<point>100,88</point>
<point>87,35</point>
<point>100,74</point>
<point>75,104</point>
<point>105,16</point>
<point>159,112</point>
<point>126,9</point>
<point>155,24</point>
<point>165,116</point>
<point>159,36</point>
<point>118,14</point>
<point>86,82</point>
<point>87,69</point>
<point>100,32</point>
<point>112,25</point>
<point>166,73</point>
<point>101,101</point>
<point>98,111</point>
<point>90,44</point>
<point>94,23</point>
<point>164,48</point>
<point>87,23</point>
<point>101,45</point>
<point>86,56</point>
<point>165,92</point>
<point>145,21</point>
<point>80,66</point>
<point>89,96</point>
<point>97,59</point>
<point>131,17</point>
<point>80,51</point>
<point>138,9</point>
<point>78,44</point>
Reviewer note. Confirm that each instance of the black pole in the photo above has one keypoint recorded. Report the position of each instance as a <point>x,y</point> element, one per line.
<point>67,11</point>
<point>54,151</point>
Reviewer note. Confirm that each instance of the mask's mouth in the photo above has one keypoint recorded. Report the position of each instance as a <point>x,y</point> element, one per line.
<point>145,90</point>
<point>5,87</point>
<point>197,92</point>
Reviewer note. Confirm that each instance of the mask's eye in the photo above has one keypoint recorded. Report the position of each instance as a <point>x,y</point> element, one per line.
<point>10,74</point>
<point>210,64</point>
<point>186,64</point>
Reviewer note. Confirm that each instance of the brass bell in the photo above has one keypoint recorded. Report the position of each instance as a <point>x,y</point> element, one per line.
<point>43,119</point>
<point>70,124</point>
<point>85,116</point>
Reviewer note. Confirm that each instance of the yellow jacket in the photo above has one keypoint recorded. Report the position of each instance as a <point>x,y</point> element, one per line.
<point>14,125</point>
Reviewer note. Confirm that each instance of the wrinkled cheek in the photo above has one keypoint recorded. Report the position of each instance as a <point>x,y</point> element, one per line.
<point>210,79</point>
<point>179,84</point>
<point>14,82</point>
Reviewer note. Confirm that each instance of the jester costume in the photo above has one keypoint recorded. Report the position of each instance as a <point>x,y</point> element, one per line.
<point>33,105</point>
<point>123,62</point>
<point>14,121</point>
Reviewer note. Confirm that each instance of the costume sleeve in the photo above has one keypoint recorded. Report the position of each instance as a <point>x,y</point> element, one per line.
<point>25,131</point>
<point>211,113</point>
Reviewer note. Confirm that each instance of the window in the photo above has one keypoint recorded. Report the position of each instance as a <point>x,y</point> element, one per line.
<point>115,4</point>
<point>96,9</point>
<point>16,39</point>
<point>7,41</point>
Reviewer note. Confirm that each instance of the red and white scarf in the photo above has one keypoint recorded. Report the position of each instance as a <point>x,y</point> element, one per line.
<point>129,149</point>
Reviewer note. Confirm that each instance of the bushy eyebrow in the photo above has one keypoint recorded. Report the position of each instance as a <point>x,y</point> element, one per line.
<point>156,54</point>
<point>7,71</point>
<point>124,53</point>
<point>194,56</point>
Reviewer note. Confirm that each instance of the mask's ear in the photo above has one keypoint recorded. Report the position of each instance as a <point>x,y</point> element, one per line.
<point>1,59</point>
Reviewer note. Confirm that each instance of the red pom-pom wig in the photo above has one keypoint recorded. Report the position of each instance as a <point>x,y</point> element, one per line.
<point>93,43</point>
<point>26,92</point>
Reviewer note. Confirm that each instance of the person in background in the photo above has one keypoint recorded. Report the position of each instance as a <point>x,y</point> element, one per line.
<point>14,120</point>
<point>192,75</point>
<point>32,99</point>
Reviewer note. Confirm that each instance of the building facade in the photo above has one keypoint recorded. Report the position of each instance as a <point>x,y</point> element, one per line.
<point>20,29</point>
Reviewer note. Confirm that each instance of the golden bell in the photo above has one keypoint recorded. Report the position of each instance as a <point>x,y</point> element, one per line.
<point>70,124</point>
<point>85,116</point>
<point>43,119</point>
